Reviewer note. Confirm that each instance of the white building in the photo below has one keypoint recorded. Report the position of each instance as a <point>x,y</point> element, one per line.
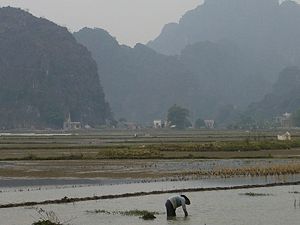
<point>160,124</point>
<point>157,124</point>
<point>210,124</point>
<point>69,125</point>
<point>285,137</point>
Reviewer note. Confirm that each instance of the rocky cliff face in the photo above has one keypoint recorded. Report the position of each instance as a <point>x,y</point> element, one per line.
<point>284,97</point>
<point>45,75</point>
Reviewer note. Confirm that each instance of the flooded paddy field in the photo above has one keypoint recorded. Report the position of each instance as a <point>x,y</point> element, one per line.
<point>37,168</point>
<point>260,206</point>
<point>41,193</point>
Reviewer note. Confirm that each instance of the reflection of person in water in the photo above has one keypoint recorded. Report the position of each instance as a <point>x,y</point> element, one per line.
<point>176,201</point>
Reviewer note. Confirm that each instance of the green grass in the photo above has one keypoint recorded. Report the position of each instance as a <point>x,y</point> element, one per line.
<point>129,154</point>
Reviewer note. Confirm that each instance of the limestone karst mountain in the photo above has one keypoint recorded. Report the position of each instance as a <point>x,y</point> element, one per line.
<point>267,31</point>
<point>141,84</point>
<point>45,75</point>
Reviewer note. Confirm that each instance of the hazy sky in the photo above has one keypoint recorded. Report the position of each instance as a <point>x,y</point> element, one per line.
<point>130,21</point>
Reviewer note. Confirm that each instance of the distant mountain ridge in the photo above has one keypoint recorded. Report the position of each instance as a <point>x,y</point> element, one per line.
<point>241,21</point>
<point>265,30</point>
<point>142,84</point>
<point>45,75</point>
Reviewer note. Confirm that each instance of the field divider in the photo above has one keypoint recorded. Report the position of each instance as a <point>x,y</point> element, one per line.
<point>67,200</point>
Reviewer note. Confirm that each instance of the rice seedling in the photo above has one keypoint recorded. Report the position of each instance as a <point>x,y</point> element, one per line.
<point>45,222</point>
<point>252,194</point>
<point>148,216</point>
<point>144,214</point>
<point>246,171</point>
<point>294,192</point>
<point>134,212</point>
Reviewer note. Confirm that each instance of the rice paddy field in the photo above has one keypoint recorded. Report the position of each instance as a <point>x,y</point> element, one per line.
<point>274,206</point>
<point>138,170</point>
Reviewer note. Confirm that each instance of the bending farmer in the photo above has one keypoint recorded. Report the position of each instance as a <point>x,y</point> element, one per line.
<point>174,202</point>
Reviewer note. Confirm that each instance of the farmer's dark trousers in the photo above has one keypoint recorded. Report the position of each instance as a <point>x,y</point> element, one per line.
<point>170,210</point>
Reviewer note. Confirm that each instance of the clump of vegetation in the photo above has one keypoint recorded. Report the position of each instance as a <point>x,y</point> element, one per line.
<point>148,216</point>
<point>101,211</point>
<point>252,194</point>
<point>247,171</point>
<point>136,212</point>
<point>245,145</point>
<point>144,214</point>
<point>45,222</point>
<point>47,218</point>
<point>71,156</point>
<point>129,154</point>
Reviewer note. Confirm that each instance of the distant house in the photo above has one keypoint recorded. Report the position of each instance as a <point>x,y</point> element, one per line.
<point>69,125</point>
<point>160,124</point>
<point>285,120</point>
<point>285,137</point>
<point>210,124</point>
<point>157,124</point>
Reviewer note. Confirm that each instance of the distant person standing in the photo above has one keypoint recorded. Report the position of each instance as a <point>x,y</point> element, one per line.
<point>174,202</point>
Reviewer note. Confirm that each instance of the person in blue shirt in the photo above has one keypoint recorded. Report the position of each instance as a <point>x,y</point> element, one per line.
<point>174,202</point>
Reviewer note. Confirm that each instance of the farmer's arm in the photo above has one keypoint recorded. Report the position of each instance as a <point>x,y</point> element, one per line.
<point>184,208</point>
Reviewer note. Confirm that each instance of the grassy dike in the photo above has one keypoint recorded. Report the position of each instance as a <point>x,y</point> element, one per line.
<point>213,149</point>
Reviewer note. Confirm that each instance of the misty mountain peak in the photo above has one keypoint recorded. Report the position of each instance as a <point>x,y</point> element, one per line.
<point>249,23</point>
<point>94,35</point>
